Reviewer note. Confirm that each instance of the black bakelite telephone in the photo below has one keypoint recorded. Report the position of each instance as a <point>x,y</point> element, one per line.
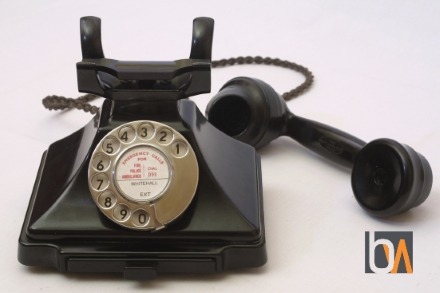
<point>151,186</point>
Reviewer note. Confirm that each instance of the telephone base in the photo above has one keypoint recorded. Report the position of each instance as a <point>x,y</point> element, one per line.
<point>222,229</point>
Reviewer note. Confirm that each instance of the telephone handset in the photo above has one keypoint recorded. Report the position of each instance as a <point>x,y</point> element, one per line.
<point>148,186</point>
<point>143,175</point>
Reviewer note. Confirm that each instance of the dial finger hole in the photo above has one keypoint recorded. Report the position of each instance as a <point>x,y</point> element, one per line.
<point>121,213</point>
<point>100,162</point>
<point>164,136</point>
<point>140,218</point>
<point>111,145</point>
<point>99,181</point>
<point>107,200</point>
<point>126,134</point>
<point>179,149</point>
<point>145,131</point>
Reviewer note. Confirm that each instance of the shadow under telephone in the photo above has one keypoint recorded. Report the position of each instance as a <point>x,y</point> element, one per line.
<point>150,186</point>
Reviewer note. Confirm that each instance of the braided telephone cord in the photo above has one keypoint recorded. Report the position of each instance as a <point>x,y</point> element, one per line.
<point>61,103</point>
<point>276,62</point>
<point>82,103</point>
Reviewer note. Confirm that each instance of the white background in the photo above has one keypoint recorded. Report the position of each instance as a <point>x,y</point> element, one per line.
<point>377,67</point>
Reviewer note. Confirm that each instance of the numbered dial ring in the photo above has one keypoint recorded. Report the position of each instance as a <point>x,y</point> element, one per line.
<point>143,175</point>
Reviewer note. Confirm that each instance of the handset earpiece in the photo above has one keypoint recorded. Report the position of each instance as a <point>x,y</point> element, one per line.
<point>388,178</point>
<point>248,110</point>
